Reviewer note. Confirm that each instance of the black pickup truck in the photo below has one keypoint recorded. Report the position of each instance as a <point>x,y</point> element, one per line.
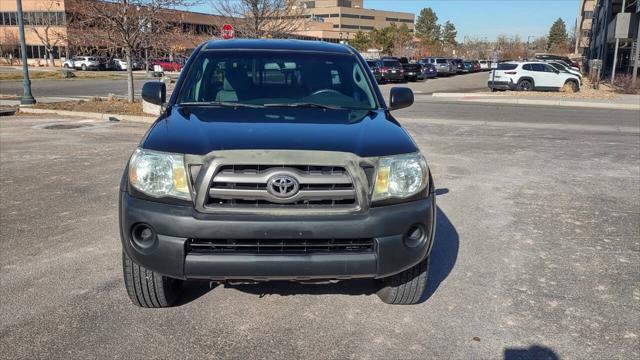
<point>276,160</point>
<point>412,71</point>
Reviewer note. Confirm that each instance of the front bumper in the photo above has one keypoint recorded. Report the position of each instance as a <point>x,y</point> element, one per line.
<point>175,225</point>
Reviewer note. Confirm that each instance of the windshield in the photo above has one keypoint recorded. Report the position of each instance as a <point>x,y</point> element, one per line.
<point>268,78</point>
<point>391,63</point>
<point>441,61</point>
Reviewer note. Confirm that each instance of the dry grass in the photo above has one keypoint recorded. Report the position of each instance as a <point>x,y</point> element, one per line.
<point>57,75</point>
<point>113,106</point>
<point>586,92</point>
<point>9,97</point>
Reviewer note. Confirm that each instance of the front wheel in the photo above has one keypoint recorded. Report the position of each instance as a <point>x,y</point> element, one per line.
<point>407,287</point>
<point>83,67</point>
<point>573,86</point>
<point>149,289</point>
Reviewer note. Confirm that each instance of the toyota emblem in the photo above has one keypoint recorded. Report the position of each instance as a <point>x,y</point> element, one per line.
<point>283,186</point>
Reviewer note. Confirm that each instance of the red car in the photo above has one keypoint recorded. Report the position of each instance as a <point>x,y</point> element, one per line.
<point>167,64</point>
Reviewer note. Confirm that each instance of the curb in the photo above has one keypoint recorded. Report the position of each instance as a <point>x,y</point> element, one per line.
<point>498,99</point>
<point>91,115</point>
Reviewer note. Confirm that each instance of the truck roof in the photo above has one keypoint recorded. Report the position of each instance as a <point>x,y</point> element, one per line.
<point>273,44</point>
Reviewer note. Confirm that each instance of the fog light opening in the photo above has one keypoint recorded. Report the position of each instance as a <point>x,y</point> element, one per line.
<point>143,236</point>
<point>415,236</point>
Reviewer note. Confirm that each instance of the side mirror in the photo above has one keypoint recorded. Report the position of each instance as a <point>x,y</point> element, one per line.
<point>154,92</point>
<point>400,98</point>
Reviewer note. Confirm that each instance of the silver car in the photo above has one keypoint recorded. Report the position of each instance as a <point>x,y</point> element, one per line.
<point>443,66</point>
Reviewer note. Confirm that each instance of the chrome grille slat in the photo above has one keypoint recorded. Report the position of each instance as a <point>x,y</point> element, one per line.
<point>262,177</point>
<point>246,187</point>
<point>246,194</point>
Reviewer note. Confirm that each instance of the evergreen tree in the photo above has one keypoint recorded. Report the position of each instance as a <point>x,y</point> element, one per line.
<point>449,34</point>
<point>361,41</point>
<point>427,28</point>
<point>383,39</point>
<point>558,38</point>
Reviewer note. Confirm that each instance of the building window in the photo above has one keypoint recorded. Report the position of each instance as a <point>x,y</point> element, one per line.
<point>351,16</point>
<point>392,19</point>
<point>344,3</point>
<point>367,17</point>
<point>309,4</point>
<point>366,27</point>
<point>37,18</point>
<point>588,15</point>
<point>406,21</point>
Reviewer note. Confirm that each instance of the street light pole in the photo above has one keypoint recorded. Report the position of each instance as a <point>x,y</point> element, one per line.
<point>528,46</point>
<point>27,99</point>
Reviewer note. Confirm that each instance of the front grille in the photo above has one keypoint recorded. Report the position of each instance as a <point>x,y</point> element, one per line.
<point>278,246</point>
<point>245,186</point>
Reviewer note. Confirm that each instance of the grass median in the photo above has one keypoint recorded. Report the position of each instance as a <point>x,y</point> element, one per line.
<point>97,105</point>
<point>58,75</point>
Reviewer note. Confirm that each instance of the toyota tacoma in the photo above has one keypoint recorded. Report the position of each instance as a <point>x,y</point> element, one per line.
<point>276,160</point>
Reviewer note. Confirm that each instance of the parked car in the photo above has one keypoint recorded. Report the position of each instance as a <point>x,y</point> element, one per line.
<point>485,65</point>
<point>443,65</point>
<point>391,71</point>
<point>528,76</point>
<point>458,65</point>
<point>559,65</point>
<point>572,64</point>
<point>167,64</point>
<point>475,64</point>
<point>429,71</point>
<point>375,66</point>
<point>247,180</point>
<point>412,71</point>
<point>119,64</point>
<point>82,63</point>
<point>467,67</point>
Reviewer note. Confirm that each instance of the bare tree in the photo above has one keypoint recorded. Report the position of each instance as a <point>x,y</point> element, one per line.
<point>263,18</point>
<point>47,26</point>
<point>126,24</point>
<point>9,45</point>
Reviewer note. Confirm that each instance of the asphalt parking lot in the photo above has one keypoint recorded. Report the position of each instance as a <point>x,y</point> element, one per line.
<point>536,256</point>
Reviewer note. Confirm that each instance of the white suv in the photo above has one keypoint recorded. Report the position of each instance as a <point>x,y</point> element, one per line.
<point>528,76</point>
<point>83,63</point>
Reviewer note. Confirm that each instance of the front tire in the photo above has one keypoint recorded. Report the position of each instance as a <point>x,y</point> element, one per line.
<point>149,289</point>
<point>83,67</point>
<point>407,287</point>
<point>573,85</point>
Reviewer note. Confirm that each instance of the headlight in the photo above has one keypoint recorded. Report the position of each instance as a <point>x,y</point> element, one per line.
<point>400,176</point>
<point>159,174</point>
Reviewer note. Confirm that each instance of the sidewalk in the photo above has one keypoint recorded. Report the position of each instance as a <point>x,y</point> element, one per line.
<point>620,102</point>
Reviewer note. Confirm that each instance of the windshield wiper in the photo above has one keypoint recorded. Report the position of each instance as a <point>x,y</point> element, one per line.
<point>308,105</point>
<point>221,104</point>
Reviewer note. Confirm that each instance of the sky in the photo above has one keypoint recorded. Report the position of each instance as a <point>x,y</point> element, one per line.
<point>485,18</point>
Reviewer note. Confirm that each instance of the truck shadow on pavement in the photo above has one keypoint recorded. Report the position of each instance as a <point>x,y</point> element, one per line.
<point>443,258</point>
<point>534,352</point>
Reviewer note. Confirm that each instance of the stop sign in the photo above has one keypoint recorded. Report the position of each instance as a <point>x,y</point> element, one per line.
<point>227,31</point>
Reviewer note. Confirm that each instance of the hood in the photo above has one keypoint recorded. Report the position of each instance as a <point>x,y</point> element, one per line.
<point>200,130</point>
